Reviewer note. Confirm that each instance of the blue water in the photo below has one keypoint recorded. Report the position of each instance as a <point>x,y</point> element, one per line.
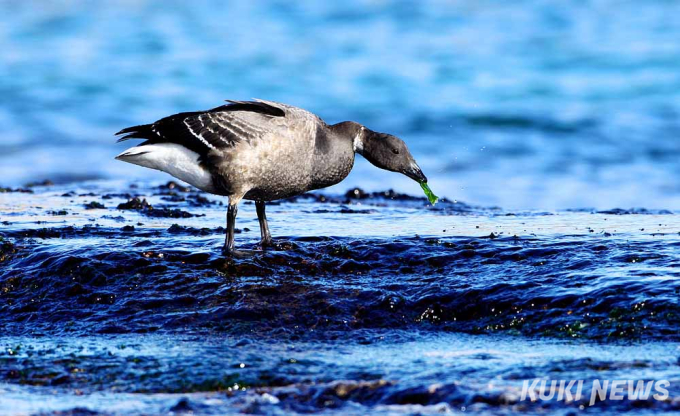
<point>547,104</point>
<point>551,127</point>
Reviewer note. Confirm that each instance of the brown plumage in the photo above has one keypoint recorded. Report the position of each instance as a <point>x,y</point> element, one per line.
<point>262,151</point>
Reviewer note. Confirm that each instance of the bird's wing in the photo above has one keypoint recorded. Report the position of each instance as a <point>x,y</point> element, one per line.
<point>219,128</point>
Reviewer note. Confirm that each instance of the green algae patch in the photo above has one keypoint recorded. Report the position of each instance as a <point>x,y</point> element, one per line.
<point>428,192</point>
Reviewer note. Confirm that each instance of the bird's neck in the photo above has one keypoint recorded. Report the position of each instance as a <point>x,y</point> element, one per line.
<point>350,130</point>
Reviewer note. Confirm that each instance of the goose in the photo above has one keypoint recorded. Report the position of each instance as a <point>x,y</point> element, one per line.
<point>261,151</point>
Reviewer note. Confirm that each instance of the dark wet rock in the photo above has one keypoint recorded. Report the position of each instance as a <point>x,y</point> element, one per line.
<point>142,206</point>
<point>169,213</point>
<point>174,186</point>
<point>92,231</point>
<point>172,280</point>
<point>346,210</point>
<point>183,406</point>
<point>119,195</point>
<point>117,218</point>
<point>136,204</point>
<point>174,228</point>
<point>94,205</point>
<point>332,395</point>
<point>42,233</point>
<point>7,250</point>
<point>391,194</point>
<point>173,198</point>
<point>180,229</point>
<point>193,199</point>
<point>426,395</point>
<point>15,190</point>
<point>389,198</point>
<point>635,211</point>
<point>76,411</point>
<point>336,395</point>
<point>45,182</point>
<point>63,379</point>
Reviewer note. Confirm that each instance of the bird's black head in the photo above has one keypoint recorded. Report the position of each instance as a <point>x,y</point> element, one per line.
<point>387,152</point>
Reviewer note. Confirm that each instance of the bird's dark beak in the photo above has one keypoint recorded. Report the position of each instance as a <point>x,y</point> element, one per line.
<point>416,173</point>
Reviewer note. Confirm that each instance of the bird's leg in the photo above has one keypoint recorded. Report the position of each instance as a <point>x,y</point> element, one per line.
<point>231,223</point>
<point>264,227</point>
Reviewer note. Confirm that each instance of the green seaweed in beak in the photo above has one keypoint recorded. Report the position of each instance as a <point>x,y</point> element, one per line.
<point>428,192</point>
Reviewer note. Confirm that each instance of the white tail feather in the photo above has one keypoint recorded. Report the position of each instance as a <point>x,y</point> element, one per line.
<point>171,158</point>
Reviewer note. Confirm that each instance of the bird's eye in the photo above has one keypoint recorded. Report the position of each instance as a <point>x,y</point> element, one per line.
<point>395,151</point>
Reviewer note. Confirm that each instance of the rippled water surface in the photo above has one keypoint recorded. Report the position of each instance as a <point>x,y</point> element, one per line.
<point>117,299</point>
<point>550,127</point>
<point>529,104</point>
